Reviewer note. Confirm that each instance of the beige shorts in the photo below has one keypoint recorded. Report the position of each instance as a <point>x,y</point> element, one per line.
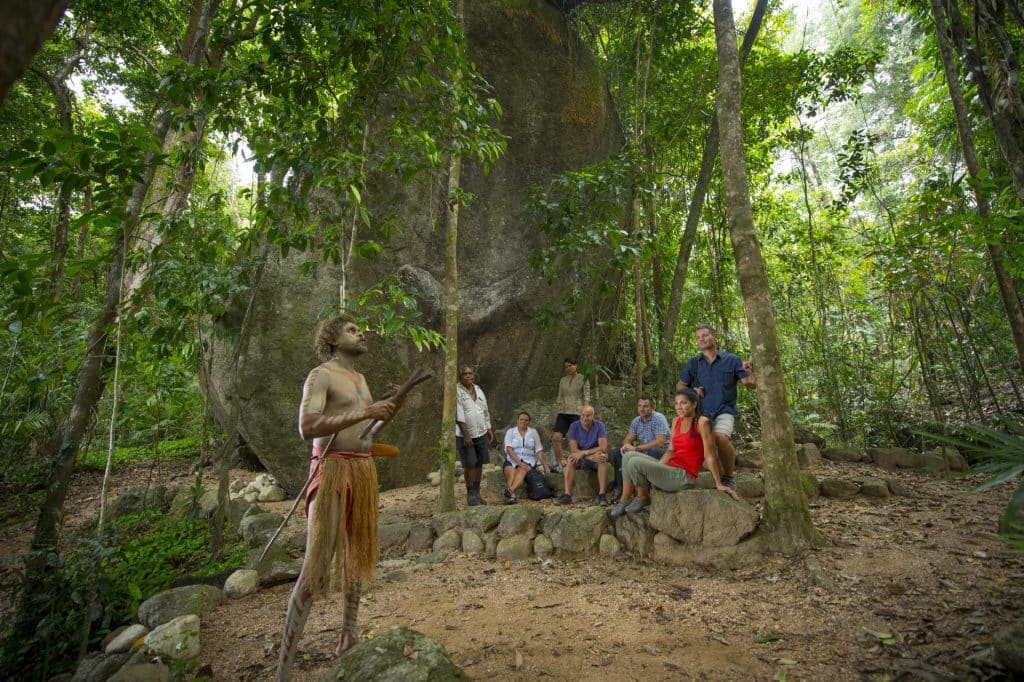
<point>724,424</point>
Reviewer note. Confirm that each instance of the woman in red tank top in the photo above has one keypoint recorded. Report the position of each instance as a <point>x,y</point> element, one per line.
<point>678,467</point>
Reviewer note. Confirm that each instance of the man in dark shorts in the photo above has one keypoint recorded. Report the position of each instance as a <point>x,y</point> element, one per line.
<point>573,394</point>
<point>588,449</point>
<point>473,432</point>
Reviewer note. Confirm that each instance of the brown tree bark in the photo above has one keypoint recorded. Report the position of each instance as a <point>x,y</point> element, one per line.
<point>446,495</point>
<point>1007,287</point>
<point>787,525</point>
<point>24,27</point>
<point>670,322</point>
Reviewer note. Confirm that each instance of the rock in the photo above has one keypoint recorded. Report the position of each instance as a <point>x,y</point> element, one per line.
<point>171,604</point>
<point>705,481</point>
<point>176,639</point>
<point>933,464</point>
<point>392,535</point>
<point>1008,646</point>
<point>142,672</point>
<point>519,520</point>
<point>893,458</point>
<point>483,518</point>
<point>277,567</point>
<point>449,540</point>
<point>609,546</point>
<point>808,455</point>
<point>635,533</point>
<point>542,545</point>
<point>237,509</point>
<point>126,639</point>
<point>897,488</point>
<point>136,499</point>
<point>257,529</point>
<point>241,582</point>
<point>585,486</point>
<point>434,478</point>
<point>515,548</point>
<point>575,531</point>
<point>804,436</point>
<point>558,116</point>
<point>844,454</point>
<point>708,518</point>
<point>420,538</point>
<point>749,486</point>
<point>874,487</point>
<point>491,545</point>
<point>839,489</point>
<point>237,485</point>
<point>272,493</point>
<point>670,551</point>
<point>816,574</point>
<point>810,485</point>
<point>471,542</point>
<point>293,537</point>
<point>750,459</point>
<point>446,521</point>
<point>98,667</point>
<point>955,460</point>
<point>391,564</point>
<point>432,558</point>
<point>208,502</point>
<point>397,655</point>
<point>183,505</point>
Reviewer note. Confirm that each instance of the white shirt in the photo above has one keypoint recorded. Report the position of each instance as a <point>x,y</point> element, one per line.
<point>526,447</point>
<point>472,413</point>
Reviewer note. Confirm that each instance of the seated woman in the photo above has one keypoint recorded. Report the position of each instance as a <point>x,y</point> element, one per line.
<point>690,446</point>
<point>523,451</point>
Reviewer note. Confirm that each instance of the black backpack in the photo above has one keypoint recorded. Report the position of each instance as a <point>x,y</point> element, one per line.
<point>537,487</point>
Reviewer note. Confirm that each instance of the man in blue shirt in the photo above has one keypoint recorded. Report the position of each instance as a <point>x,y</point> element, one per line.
<point>588,449</point>
<point>650,431</point>
<point>713,375</point>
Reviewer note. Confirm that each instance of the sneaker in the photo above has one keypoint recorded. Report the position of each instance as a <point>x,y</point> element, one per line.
<point>556,469</point>
<point>473,500</point>
<point>511,499</point>
<point>729,482</point>
<point>564,498</point>
<point>601,500</point>
<point>636,504</point>
<point>619,509</point>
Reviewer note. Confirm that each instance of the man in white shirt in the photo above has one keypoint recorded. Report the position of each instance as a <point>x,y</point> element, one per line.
<point>472,432</point>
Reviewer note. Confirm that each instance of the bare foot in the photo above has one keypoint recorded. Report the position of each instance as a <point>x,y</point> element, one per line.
<point>346,642</point>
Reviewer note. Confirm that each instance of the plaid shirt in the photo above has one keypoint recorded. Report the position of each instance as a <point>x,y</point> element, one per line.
<point>647,431</point>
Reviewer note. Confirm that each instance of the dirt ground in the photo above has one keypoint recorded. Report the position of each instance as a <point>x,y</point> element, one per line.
<point>908,588</point>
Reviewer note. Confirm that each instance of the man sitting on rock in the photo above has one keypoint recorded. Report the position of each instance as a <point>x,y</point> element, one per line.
<point>588,450</point>
<point>650,428</point>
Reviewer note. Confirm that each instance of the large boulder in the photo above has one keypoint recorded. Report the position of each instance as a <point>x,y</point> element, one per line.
<point>707,518</point>
<point>397,655</point>
<point>575,531</point>
<point>179,601</point>
<point>558,116</point>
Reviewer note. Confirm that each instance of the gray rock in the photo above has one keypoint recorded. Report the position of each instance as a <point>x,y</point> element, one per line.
<point>707,518</point>
<point>126,639</point>
<point>272,493</point>
<point>484,518</point>
<point>170,604</point>
<point>808,455</point>
<point>432,558</point>
<point>392,535</point>
<point>893,458</point>
<point>208,502</point>
<point>1008,646</point>
<point>397,655</point>
<point>471,542</point>
<point>491,544</point>
<point>838,489</point>
<point>449,540</point>
<point>177,639</point>
<point>635,533</point>
<point>434,477</point>
<point>575,531</point>
<point>391,564</point>
<point>142,672</point>
<point>293,537</point>
<point>750,459</point>
<point>897,488</point>
<point>844,454</point>
<point>609,546</point>
<point>558,116</point>
<point>446,521</point>
<point>420,538</point>
<point>98,667</point>
<point>277,567</point>
<point>955,460</point>
<point>585,486</point>
<point>705,481</point>
<point>519,520</point>
<point>804,436</point>
<point>257,529</point>
<point>136,499</point>
<point>874,487</point>
<point>515,548</point>
<point>241,582</point>
<point>749,486</point>
<point>237,485</point>
<point>542,545</point>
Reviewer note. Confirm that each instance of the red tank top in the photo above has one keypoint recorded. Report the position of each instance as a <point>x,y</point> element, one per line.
<point>687,449</point>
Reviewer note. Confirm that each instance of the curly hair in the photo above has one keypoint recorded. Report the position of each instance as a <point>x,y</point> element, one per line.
<point>327,334</point>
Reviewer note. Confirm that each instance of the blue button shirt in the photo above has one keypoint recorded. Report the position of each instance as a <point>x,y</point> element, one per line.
<point>718,379</point>
<point>646,431</point>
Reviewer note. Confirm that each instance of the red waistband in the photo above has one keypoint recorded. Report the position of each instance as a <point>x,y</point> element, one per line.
<point>340,454</point>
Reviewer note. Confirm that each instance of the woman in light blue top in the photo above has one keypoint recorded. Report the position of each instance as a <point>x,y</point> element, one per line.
<point>523,452</point>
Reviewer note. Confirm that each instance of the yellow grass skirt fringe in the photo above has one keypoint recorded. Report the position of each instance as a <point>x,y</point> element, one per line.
<point>345,508</point>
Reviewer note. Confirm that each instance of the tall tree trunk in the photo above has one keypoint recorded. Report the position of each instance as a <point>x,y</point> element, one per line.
<point>446,495</point>
<point>787,517</point>
<point>670,321</point>
<point>24,27</point>
<point>1007,288</point>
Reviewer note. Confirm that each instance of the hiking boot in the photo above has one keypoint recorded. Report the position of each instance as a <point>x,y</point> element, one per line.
<point>472,500</point>
<point>601,500</point>
<point>636,504</point>
<point>564,498</point>
<point>619,509</point>
<point>508,494</point>
<point>729,482</point>
<point>511,500</point>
